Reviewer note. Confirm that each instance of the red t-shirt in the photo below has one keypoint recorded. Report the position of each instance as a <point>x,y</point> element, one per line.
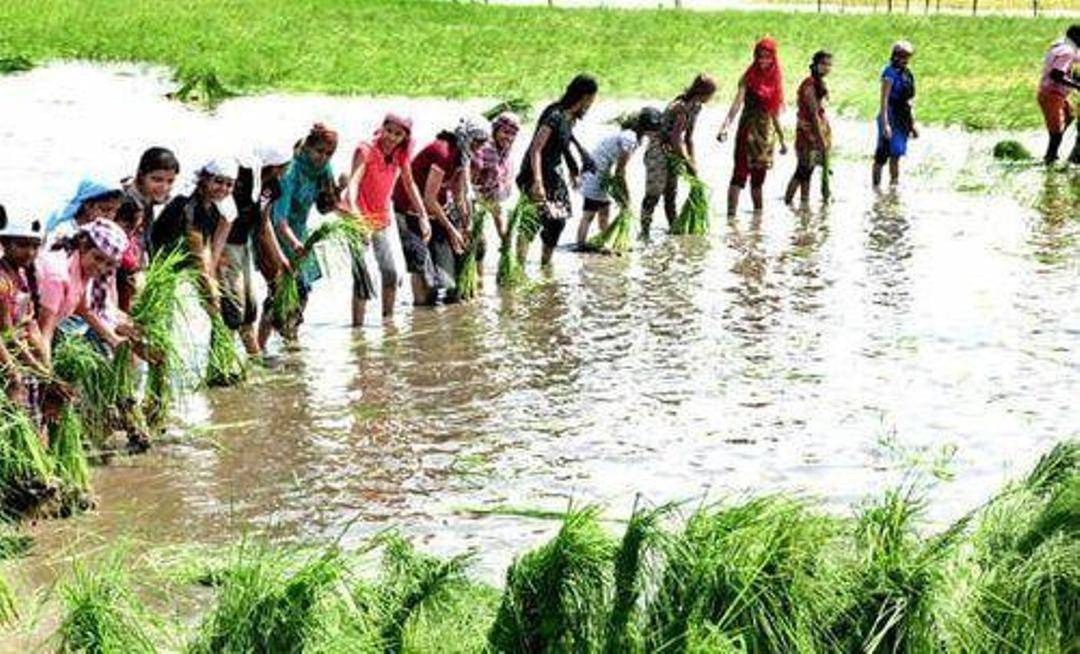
<point>373,194</point>
<point>439,153</point>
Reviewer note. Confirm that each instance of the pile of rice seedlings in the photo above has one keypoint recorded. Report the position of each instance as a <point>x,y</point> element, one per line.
<point>101,613</point>
<point>349,231</point>
<point>69,460</point>
<point>616,238</point>
<point>511,271</point>
<point>555,596</point>
<point>225,365</point>
<point>468,277</point>
<point>1010,150</point>
<point>26,470</point>
<point>693,217</point>
<point>200,87</point>
<point>157,308</point>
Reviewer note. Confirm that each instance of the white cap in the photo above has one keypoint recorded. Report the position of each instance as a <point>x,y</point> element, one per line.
<point>270,155</point>
<point>220,167</point>
<point>903,46</point>
<point>16,223</point>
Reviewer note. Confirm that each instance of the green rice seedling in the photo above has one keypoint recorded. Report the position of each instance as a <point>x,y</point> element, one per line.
<point>1059,465</point>
<point>26,471</point>
<point>201,87</point>
<point>266,603</point>
<point>468,275</point>
<point>519,106</point>
<point>755,572</point>
<point>102,614</point>
<point>78,362</point>
<point>13,543</point>
<point>617,237</point>
<point>1010,150</point>
<point>457,625</point>
<point>9,608</point>
<point>633,570</point>
<point>15,64</point>
<point>225,365</point>
<point>413,582</point>
<point>348,231</point>
<point>693,217</point>
<point>69,458</point>
<point>556,596</point>
<point>528,225</point>
<point>511,272</point>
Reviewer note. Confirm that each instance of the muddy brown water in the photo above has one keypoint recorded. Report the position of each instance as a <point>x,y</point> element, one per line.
<point>775,354</point>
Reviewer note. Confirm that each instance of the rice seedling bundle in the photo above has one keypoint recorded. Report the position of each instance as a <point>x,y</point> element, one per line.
<point>26,472</point>
<point>468,281</point>
<point>556,596</point>
<point>225,365</point>
<point>693,217</point>
<point>616,238</point>
<point>1010,150</point>
<point>519,106</point>
<point>510,272</point>
<point>528,222</point>
<point>69,457</point>
<point>102,614</point>
<point>352,232</point>
<point>633,571</point>
<point>201,87</point>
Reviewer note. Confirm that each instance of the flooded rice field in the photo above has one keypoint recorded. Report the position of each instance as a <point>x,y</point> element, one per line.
<point>782,352</point>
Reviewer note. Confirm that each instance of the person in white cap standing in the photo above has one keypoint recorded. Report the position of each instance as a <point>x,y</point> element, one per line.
<point>257,188</point>
<point>200,224</point>
<point>22,354</point>
<point>896,119</point>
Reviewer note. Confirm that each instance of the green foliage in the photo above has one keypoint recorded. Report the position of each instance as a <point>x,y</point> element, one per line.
<point>1010,150</point>
<point>225,365</point>
<point>520,107</point>
<point>26,471</point>
<point>617,237</point>
<point>468,280</point>
<point>201,87</point>
<point>102,614</point>
<point>15,64</point>
<point>69,458</point>
<point>511,273</point>
<point>693,217</point>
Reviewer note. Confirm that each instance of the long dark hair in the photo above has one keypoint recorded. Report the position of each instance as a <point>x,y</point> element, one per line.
<point>820,57</point>
<point>157,158</point>
<point>702,86</point>
<point>580,87</point>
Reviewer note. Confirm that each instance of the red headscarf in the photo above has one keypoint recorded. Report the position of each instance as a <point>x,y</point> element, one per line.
<point>766,85</point>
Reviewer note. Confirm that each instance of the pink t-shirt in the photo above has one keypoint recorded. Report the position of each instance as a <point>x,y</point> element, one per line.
<point>373,196</point>
<point>61,286</point>
<point>1062,56</point>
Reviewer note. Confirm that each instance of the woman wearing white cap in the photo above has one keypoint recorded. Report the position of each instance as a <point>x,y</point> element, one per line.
<point>20,237</point>
<point>896,119</point>
<point>257,187</point>
<point>200,224</point>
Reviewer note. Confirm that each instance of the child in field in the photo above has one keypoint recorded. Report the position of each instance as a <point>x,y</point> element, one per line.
<point>673,145</point>
<point>1057,83</point>
<point>377,167</point>
<point>441,171</point>
<point>760,99</point>
<point>150,189</point>
<point>610,158</point>
<point>896,119</point>
<point>492,178</point>
<point>813,136</point>
<point>541,177</point>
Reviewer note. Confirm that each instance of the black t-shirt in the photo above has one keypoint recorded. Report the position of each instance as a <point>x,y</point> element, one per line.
<point>249,210</point>
<point>551,156</point>
<point>183,214</point>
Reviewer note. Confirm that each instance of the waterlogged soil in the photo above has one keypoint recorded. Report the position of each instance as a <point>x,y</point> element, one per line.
<point>782,352</point>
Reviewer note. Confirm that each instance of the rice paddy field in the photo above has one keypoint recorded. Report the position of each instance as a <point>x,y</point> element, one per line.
<point>978,74</point>
<point>848,427</point>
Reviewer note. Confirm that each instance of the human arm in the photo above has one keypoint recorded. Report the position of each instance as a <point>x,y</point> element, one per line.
<point>269,243</point>
<point>434,207</point>
<point>733,112</point>
<point>197,251</point>
<point>280,218</point>
<point>417,202</point>
<point>535,148</point>
<point>218,241</point>
<point>779,133</point>
<point>886,89</point>
<point>351,193</point>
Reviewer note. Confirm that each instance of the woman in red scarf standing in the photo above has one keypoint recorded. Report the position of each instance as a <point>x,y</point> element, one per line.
<point>760,97</point>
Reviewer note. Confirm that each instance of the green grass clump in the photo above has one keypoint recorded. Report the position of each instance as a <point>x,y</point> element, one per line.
<point>980,74</point>
<point>1010,150</point>
<point>617,238</point>
<point>511,272</point>
<point>467,283</point>
<point>693,217</point>
<point>202,88</point>
<point>556,595</point>
<point>69,459</point>
<point>15,64</point>
<point>102,614</point>
<point>26,471</point>
<point>225,365</point>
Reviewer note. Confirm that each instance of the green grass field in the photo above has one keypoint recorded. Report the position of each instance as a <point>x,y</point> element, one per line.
<point>979,73</point>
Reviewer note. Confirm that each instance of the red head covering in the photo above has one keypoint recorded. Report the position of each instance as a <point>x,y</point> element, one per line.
<point>767,85</point>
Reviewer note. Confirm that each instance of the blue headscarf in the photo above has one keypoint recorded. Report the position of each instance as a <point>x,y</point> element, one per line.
<point>89,189</point>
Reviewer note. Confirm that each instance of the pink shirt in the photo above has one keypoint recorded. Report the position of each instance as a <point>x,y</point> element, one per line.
<point>1062,56</point>
<point>60,282</point>
<point>373,196</point>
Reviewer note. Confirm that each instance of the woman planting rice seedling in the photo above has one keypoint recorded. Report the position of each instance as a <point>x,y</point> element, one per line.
<point>541,177</point>
<point>610,157</point>
<point>309,181</point>
<point>377,167</point>
<point>492,176</point>
<point>674,144</point>
<point>813,136</point>
<point>1057,83</point>
<point>199,225</point>
<point>441,171</point>
<point>256,189</point>
<point>760,99</point>
<point>150,189</point>
<point>896,119</point>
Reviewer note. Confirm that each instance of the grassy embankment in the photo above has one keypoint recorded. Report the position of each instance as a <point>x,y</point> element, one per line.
<point>772,574</point>
<point>979,73</point>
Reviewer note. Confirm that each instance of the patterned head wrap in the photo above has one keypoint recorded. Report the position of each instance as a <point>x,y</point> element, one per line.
<point>108,237</point>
